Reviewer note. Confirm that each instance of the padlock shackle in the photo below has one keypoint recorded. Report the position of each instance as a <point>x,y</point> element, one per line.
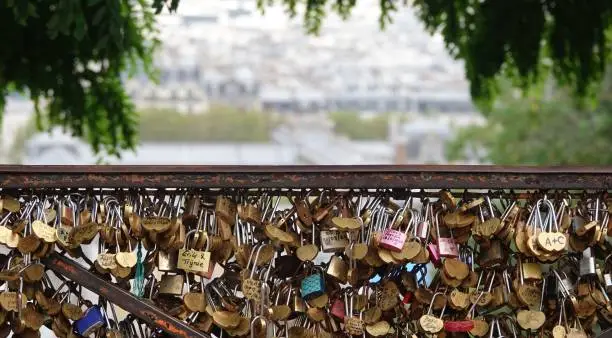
<point>433,299</point>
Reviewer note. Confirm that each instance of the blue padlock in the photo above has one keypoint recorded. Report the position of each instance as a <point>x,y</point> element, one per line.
<point>92,320</point>
<point>313,285</point>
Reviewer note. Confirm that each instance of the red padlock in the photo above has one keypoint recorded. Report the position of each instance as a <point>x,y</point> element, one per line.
<point>338,309</point>
<point>458,325</point>
<point>407,297</point>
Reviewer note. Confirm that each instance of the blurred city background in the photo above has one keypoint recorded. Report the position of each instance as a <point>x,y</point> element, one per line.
<point>239,87</point>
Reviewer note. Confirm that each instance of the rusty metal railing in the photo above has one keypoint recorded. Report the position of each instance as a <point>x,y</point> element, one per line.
<point>278,177</point>
<point>384,177</point>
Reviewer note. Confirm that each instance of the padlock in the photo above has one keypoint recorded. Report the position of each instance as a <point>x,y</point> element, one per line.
<point>333,241</point>
<point>171,284</point>
<point>587,263</point>
<point>434,254</point>
<point>493,255</point>
<point>166,260</point>
<point>191,212</point>
<point>92,320</point>
<point>446,245</point>
<point>393,240</point>
<point>226,209</point>
<point>251,286</point>
<point>352,325</point>
<point>428,322</point>
<point>531,271</point>
<point>338,308</point>
<point>313,285</point>
<point>112,328</point>
<point>287,266</point>
<point>195,261</point>
<point>337,268</point>
<point>422,229</point>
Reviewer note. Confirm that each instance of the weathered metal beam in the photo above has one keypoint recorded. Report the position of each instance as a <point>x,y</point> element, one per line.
<point>417,176</point>
<point>128,302</point>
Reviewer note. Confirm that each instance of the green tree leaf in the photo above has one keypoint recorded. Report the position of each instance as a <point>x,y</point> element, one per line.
<point>537,130</point>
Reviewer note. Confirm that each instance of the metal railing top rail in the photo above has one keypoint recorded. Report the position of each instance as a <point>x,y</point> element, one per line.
<point>320,176</point>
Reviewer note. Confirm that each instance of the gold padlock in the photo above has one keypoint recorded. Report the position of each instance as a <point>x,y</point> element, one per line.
<point>171,285</point>
<point>337,268</point>
<point>166,261</point>
<point>532,271</point>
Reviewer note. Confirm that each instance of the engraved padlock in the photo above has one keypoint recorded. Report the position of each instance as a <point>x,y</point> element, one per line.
<point>251,286</point>
<point>333,241</point>
<point>352,325</point>
<point>171,284</point>
<point>313,285</point>
<point>587,263</point>
<point>393,240</point>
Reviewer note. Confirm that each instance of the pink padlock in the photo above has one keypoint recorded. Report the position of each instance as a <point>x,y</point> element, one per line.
<point>338,309</point>
<point>434,254</point>
<point>446,245</point>
<point>422,229</point>
<point>393,240</point>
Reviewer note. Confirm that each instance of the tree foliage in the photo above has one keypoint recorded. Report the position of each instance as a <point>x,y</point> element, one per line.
<point>71,54</point>
<point>357,127</point>
<point>220,124</point>
<point>539,130</point>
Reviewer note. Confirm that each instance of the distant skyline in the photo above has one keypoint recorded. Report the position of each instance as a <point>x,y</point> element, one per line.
<point>276,15</point>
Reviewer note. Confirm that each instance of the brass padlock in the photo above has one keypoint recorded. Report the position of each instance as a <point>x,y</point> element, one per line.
<point>226,209</point>
<point>171,284</point>
<point>531,271</point>
<point>493,255</point>
<point>337,268</point>
<point>166,260</point>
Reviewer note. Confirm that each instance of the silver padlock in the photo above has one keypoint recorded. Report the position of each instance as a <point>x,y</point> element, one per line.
<point>567,282</point>
<point>587,263</point>
<point>333,241</point>
<point>608,282</point>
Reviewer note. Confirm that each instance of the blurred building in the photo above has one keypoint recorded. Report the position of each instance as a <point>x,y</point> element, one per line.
<point>228,52</point>
<point>249,59</point>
